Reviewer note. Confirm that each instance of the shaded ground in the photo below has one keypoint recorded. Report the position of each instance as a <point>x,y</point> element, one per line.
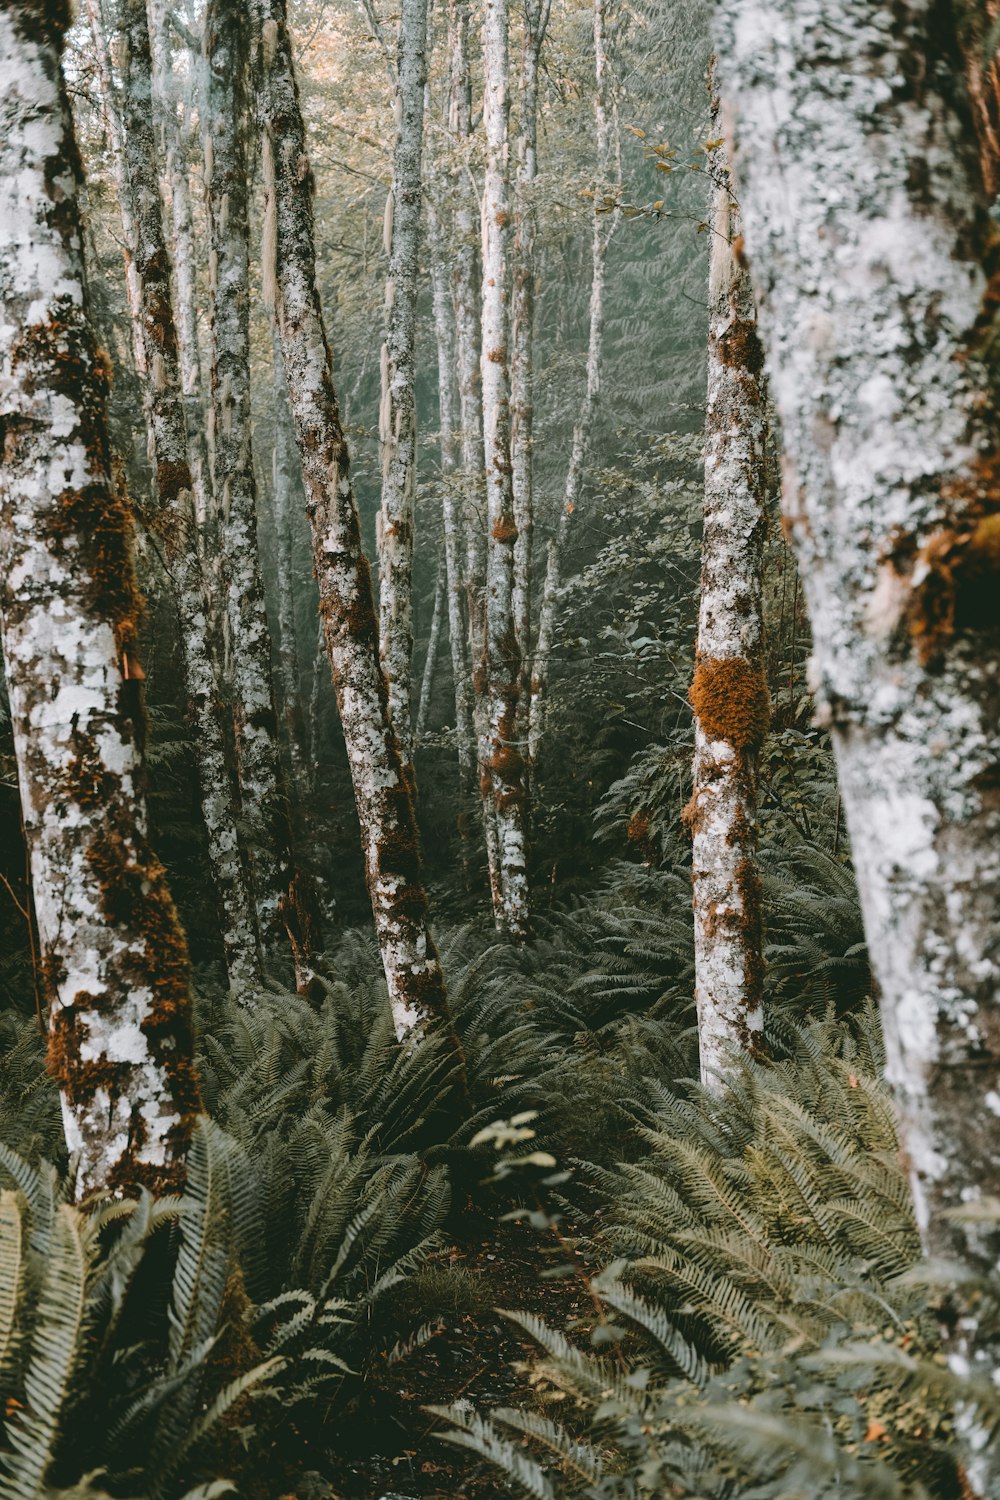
<point>389,1446</point>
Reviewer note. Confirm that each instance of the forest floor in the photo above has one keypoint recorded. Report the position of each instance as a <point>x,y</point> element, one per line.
<point>390,1446</point>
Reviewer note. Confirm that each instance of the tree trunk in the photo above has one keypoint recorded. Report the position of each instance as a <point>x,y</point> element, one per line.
<point>262,793</point>
<point>286,487</point>
<point>174,523</point>
<point>398,415</point>
<point>522,323</point>
<point>501,760</point>
<point>381,787</point>
<point>114,956</point>
<point>602,229</point>
<point>430,660</point>
<point>454,530</point>
<point>867,244</point>
<point>729,691</point>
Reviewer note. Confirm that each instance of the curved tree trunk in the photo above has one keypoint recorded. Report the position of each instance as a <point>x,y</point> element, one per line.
<point>501,760</point>
<point>262,793</point>
<point>602,230</point>
<point>398,414</point>
<point>454,531</point>
<point>114,956</point>
<point>729,691</point>
<point>430,660</point>
<point>381,786</point>
<point>174,523</point>
<point>868,246</point>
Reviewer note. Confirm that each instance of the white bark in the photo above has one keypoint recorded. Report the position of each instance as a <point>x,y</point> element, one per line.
<point>381,785</point>
<point>398,415</point>
<point>861,195</point>
<point>602,229</point>
<point>501,760</point>
<point>729,692</point>
<point>174,522</point>
<point>262,794</point>
<point>114,957</point>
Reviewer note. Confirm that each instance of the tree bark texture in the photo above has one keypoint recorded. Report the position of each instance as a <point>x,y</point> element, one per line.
<point>536,21</point>
<point>398,413</point>
<point>430,660</point>
<point>174,522</point>
<point>869,247</point>
<point>501,760</point>
<point>603,228</point>
<point>381,786</point>
<point>114,956</point>
<point>729,690</point>
<point>262,794</point>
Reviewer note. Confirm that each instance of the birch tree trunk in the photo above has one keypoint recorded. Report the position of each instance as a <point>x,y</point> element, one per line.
<point>114,956</point>
<point>452,519</point>
<point>398,415</point>
<point>601,232</point>
<point>262,793</point>
<point>430,660</point>
<point>536,20</point>
<point>174,523</point>
<point>381,787</point>
<point>501,760</point>
<point>868,248</point>
<point>729,691</point>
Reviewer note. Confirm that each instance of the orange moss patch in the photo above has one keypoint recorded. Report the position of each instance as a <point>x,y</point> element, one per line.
<point>740,346</point>
<point>730,698</point>
<point>497,356</point>
<point>504,530</point>
<point>956,573</point>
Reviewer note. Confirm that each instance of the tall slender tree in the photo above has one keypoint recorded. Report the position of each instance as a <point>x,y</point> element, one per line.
<point>729,691</point>
<point>262,795</point>
<point>874,265</point>
<point>114,955</point>
<point>398,415</point>
<point>381,786</point>
<point>174,522</point>
<point>501,759</point>
<point>602,228</point>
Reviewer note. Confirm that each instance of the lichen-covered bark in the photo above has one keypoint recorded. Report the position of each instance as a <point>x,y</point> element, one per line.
<point>398,414</point>
<point>262,794</point>
<point>602,229</point>
<point>536,20</point>
<point>381,787</point>
<point>114,956</point>
<point>862,201</point>
<point>430,660</point>
<point>174,524</point>
<point>286,489</point>
<point>454,530</point>
<point>729,691</point>
<point>501,759</point>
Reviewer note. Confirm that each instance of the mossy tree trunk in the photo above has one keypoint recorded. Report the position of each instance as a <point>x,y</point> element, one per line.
<point>263,803</point>
<point>729,691</point>
<point>398,413</point>
<point>872,257</point>
<point>501,759</point>
<point>174,522</point>
<point>602,229</point>
<point>114,956</point>
<point>381,786</point>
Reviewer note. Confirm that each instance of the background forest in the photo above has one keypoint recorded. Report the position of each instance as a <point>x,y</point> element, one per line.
<point>499,1232</point>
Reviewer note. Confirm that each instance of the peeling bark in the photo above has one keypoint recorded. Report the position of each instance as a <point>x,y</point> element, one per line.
<point>174,523</point>
<point>381,788</point>
<point>601,232</point>
<point>398,414</point>
<point>868,245</point>
<point>262,793</point>
<point>729,691</point>
<point>501,760</point>
<point>114,956</point>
